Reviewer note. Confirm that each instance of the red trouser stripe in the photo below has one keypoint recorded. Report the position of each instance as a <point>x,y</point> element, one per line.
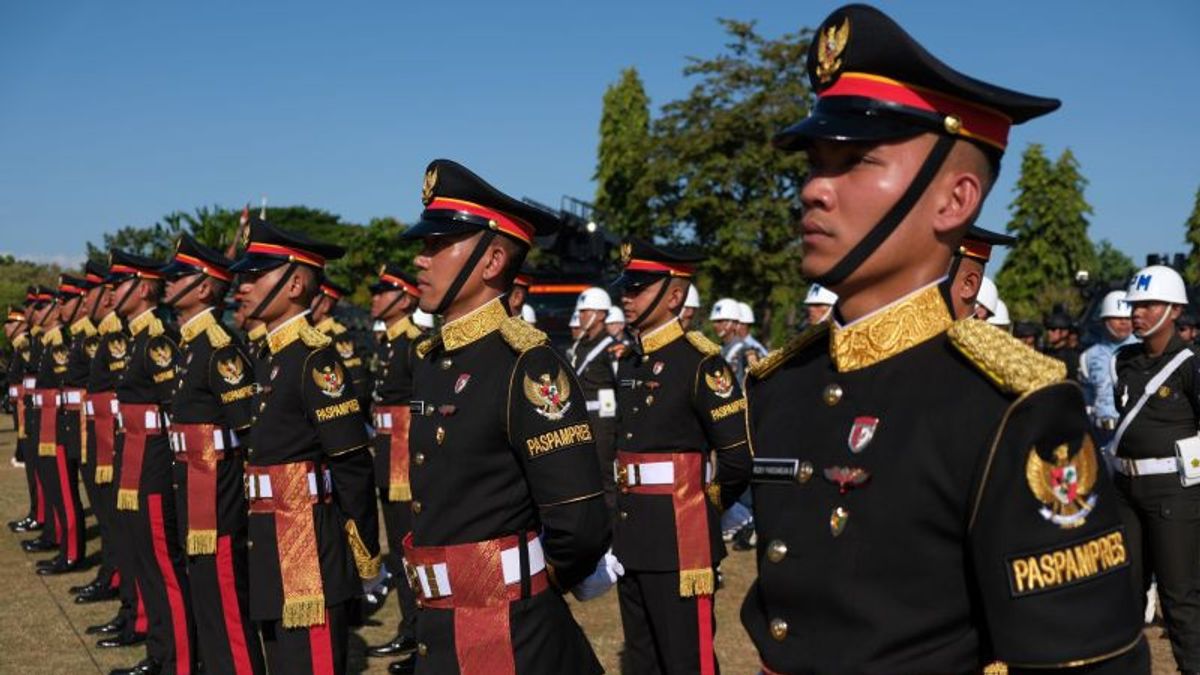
<point>321,648</point>
<point>142,624</point>
<point>229,606</point>
<point>704,616</point>
<point>115,580</point>
<point>41,494</point>
<point>72,533</point>
<point>183,657</point>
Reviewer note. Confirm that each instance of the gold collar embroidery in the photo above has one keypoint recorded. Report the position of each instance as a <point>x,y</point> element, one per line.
<point>52,336</point>
<point>402,327</point>
<point>288,332</point>
<point>141,321</point>
<point>197,325</point>
<point>887,332</point>
<point>327,326</point>
<point>83,327</point>
<point>257,333</point>
<point>111,323</point>
<point>479,322</point>
<point>662,336</point>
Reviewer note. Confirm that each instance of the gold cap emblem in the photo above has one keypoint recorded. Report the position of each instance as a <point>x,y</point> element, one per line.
<point>428,186</point>
<point>626,253</point>
<point>831,43</point>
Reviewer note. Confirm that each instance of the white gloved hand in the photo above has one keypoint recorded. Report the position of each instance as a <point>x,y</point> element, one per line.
<point>608,570</point>
<point>375,590</point>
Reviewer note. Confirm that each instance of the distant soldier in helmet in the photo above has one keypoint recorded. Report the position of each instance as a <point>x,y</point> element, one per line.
<point>1095,365</point>
<point>818,304</point>
<point>1058,335</point>
<point>1186,325</point>
<point>690,306</point>
<point>596,369</point>
<point>725,315</point>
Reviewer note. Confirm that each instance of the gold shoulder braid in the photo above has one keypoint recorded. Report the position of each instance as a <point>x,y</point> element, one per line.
<point>894,329</point>
<point>1009,363</point>
<point>52,337</point>
<point>424,346</point>
<point>217,336</point>
<point>21,341</point>
<point>156,327</point>
<point>403,327</point>
<point>777,357</point>
<point>199,324</point>
<point>257,333</point>
<point>83,327</point>
<point>520,335</point>
<point>702,343</point>
<point>313,337</point>
<point>111,323</point>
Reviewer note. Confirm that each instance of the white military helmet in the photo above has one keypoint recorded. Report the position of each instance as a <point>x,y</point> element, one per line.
<point>1157,283</point>
<point>1114,306</point>
<point>819,295</point>
<point>725,309</point>
<point>746,314</point>
<point>379,326</point>
<point>693,297</point>
<point>423,319</point>
<point>615,315</point>
<point>1000,316</point>
<point>989,295</point>
<point>528,314</point>
<point>574,322</point>
<point>594,298</point>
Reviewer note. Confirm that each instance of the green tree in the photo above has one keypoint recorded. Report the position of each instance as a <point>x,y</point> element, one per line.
<point>719,183</point>
<point>16,275</point>
<point>367,249</point>
<point>1050,220</point>
<point>1192,227</point>
<point>622,196</point>
<point>1112,265</point>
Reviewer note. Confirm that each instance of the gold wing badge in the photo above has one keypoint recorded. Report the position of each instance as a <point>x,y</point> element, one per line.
<point>1064,487</point>
<point>549,398</point>
<point>428,186</point>
<point>231,370</point>
<point>345,348</point>
<point>161,356</point>
<point>721,382</point>
<point>331,380</point>
<point>831,44</point>
<point>116,349</point>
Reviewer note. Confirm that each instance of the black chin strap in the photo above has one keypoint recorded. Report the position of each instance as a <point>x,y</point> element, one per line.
<point>95,306</point>
<point>188,289</point>
<point>125,298</point>
<point>662,291</point>
<point>947,285</point>
<point>464,273</point>
<point>262,306</point>
<point>882,230</point>
<point>390,305</point>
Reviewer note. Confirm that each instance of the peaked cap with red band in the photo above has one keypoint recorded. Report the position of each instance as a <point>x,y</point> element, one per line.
<point>977,243</point>
<point>71,286</point>
<point>192,257</point>
<point>94,273</point>
<point>123,266</point>
<point>459,202</point>
<point>333,290</point>
<point>392,277</point>
<point>644,263</point>
<point>269,247</point>
<point>874,82</point>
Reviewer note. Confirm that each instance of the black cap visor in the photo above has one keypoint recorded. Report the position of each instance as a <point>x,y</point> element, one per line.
<point>634,280</point>
<point>256,264</point>
<point>444,222</point>
<point>854,119</point>
<point>176,269</point>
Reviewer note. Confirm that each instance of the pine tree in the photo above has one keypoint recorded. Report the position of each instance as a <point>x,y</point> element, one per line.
<point>1192,271</point>
<point>621,191</point>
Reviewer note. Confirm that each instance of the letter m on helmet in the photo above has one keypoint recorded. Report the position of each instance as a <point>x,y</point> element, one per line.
<point>1143,282</point>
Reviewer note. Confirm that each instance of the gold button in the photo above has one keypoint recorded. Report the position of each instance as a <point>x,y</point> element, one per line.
<point>420,603</point>
<point>440,435</point>
<point>249,543</point>
<point>805,472</point>
<point>778,629</point>
<point>953,124</point>
<point>623,515</point>
<point>650,400</point>
<point>422,650</point>
<point>416,506</point>
<point>776,550</point>
<point>832,394</point>
<point>628,434</point>
<point>419,458</point>
<point>445,364</point>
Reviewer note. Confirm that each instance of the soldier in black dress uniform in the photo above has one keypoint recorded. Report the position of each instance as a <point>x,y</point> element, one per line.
<point>314,532</point>
<point>393,298</point>
<point>16,329</point>
<point>508,510</point>
<point>680,403</point>
<point>145,493</point>
<point>947,506</point>
<point>210,417</point>
<point>41,301</point>
<point>594,364</point>
<point>343,340</point>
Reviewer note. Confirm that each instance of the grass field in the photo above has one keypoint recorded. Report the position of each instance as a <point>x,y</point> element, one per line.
<point>42,631</point>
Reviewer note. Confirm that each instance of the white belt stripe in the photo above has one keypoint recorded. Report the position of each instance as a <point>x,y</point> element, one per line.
<point>260,485</point>
<point>179,440</point>
<point>652,473</point>
<point>30,382</point>
<point>1146,467</point>
<point>383,420</point>
<point>435,579</point>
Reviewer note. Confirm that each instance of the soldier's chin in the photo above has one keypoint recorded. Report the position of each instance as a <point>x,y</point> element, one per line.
<point>815,265</point>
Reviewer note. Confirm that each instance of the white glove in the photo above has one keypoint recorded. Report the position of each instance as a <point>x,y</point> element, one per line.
<point>375,590</point>
<point>608,570</point>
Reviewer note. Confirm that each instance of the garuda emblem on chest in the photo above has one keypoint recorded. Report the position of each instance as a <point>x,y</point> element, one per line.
<point>720,382</point>
<point>345,348</point>
<point>160,355</point>
<point>89,347</point>
<point>231,370</point>
<point>116,348</point>
<point>331,380</point>
<point>1064,486</point>
<point>549,397</point>
<point>61,356</point>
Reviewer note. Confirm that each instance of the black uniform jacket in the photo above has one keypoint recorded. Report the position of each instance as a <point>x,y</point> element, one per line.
<point>1169,414</point>
<point>393,384</point>
<point>112,351</point>
<point>677,396</point>
<point>343,344</point>
<point>151,353</point>
<point>307,410</point>
<point>83,340</point>
<point>927,498</point>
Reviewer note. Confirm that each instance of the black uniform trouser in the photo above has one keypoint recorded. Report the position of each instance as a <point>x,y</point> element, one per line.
<point>320,650</point>
<point>665,633</point>
<point>102,499</point>
<point>47,475</point>
<point>219,582</point>
<point>604,431</point>
<point>1162,522</point>
<point>133,607</point>
<point>27,453</point>
<point>67,455</point>
<point>397,521</point>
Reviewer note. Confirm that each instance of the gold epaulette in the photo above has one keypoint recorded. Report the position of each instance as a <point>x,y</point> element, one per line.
<point>217,336</point>
<point>111,323</point>
<point>156,327</point>
<point>777,357</point>
<point>1011,364</point>
<point>313,337</point>
<point>21,342</point>
<point>83,327</point>
<point>702,343</point>
<point>338,328</point>
<point>520,335</point>
<point>52,337</point>
<point>424,346</point>
<point>257,333</point>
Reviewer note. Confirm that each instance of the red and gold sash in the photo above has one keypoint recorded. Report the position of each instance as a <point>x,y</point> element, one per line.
<point>691,516</point>
<point>48,429</point>
<point>399,488</point>
<point>105,427</point>
<point>133,421</point>
<point>291,502</point>
<point>201,456</point>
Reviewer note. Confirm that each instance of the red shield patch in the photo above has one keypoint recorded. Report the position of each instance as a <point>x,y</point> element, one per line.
<point>462,382</point>
<point>862,432</point>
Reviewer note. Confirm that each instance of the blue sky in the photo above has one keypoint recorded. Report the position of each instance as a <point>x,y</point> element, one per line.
<point>116,113</point>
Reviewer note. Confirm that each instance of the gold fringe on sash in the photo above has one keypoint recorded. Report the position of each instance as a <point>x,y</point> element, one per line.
<point>696,582</point>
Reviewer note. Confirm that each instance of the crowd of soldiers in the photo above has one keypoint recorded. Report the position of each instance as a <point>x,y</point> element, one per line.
<point>928,493</point>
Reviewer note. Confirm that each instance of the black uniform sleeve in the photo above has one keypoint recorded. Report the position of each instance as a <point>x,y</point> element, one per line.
<point>231,378</point>
<point>1050,554</point>
<point>549,431</point>
<point>162,354</point>
<point>721,408</point>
